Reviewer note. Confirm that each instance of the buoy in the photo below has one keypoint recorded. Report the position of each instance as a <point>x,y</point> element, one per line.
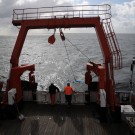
<point>51,39</point>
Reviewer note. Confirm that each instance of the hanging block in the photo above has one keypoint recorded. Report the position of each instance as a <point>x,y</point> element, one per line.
<point>62,36</point>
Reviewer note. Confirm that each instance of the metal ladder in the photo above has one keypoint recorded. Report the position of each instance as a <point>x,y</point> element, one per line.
<point>113,43</point>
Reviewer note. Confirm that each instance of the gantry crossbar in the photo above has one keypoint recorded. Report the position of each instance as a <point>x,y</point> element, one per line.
<point>81,11</point>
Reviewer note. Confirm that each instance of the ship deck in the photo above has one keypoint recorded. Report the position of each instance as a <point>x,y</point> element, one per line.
<point>42,119</point>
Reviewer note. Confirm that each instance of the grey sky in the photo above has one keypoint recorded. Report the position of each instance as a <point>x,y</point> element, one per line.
<point>123,13</point>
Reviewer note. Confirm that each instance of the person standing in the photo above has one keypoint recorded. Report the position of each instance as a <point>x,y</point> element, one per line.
<point>1,86</point>
<point>52,91</point>
<point>68,93</point>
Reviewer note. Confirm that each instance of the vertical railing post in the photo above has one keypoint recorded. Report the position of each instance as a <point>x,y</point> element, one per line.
<point>52,13</point>
<point>67,12</point>
<point>23,14</point>
<point>82,11</point>
<point>98,10</point>
<point>13,15</point>
<point>37,13</point>
<point>106,12</point>
<point>17,16</point>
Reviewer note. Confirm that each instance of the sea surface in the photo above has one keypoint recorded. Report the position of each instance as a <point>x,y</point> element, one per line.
<point>66,61</point>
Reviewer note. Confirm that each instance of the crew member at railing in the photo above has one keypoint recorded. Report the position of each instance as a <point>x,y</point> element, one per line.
<point>68,93</point>
<point>52,91</point>
<point>1,86</point>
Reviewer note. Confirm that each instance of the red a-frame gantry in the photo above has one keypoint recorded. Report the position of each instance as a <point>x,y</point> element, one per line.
<point>97,16</point>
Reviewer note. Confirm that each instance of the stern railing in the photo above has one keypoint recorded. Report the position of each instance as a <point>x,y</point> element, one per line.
<point>82,11</point>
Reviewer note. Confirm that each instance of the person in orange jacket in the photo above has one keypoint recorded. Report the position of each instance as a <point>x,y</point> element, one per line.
<point>68,93</point>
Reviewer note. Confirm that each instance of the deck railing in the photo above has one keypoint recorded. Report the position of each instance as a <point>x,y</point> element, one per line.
<point>82,11</point>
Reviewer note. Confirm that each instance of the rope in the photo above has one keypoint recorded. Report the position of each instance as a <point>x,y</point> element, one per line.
<point>68,54</point>
<point>78,49</point>
<point>69,60</point>
<point>81,53</point>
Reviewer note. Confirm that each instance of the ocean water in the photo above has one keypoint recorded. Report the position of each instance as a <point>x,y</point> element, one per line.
<point>66,61</point>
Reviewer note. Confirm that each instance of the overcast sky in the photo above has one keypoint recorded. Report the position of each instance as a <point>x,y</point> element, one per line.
<point>123,13</point>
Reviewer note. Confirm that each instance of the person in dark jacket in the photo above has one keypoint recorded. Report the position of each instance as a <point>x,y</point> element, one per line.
<point>52,91</point>
<point>1,86</point>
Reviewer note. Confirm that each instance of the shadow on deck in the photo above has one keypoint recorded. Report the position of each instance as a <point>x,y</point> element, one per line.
<point>42,119</point>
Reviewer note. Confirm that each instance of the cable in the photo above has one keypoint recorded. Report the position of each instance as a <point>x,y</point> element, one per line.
<point>69,60</point>
<point>68,54</point>
<point>78,49</point>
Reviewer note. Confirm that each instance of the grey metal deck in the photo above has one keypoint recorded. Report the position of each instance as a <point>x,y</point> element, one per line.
<point>42,119</point>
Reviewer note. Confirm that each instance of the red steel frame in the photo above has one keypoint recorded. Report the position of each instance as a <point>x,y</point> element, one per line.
<point>75,19</point>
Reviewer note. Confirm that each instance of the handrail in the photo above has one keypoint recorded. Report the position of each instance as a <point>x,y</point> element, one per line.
<point>82,11</point>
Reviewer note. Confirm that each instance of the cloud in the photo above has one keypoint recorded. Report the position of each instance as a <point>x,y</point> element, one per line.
<point>127,9</point>
<point>34,3</point>
<point>21,2</point>
<point>72,2</point>
<point>123,15</point>
<point>6,27</point>
<point>6,7</point>
<point>63,2</point>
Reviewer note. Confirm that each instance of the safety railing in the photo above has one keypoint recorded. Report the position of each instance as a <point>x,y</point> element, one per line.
<point>79,97</point>
<point>82,11</point>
